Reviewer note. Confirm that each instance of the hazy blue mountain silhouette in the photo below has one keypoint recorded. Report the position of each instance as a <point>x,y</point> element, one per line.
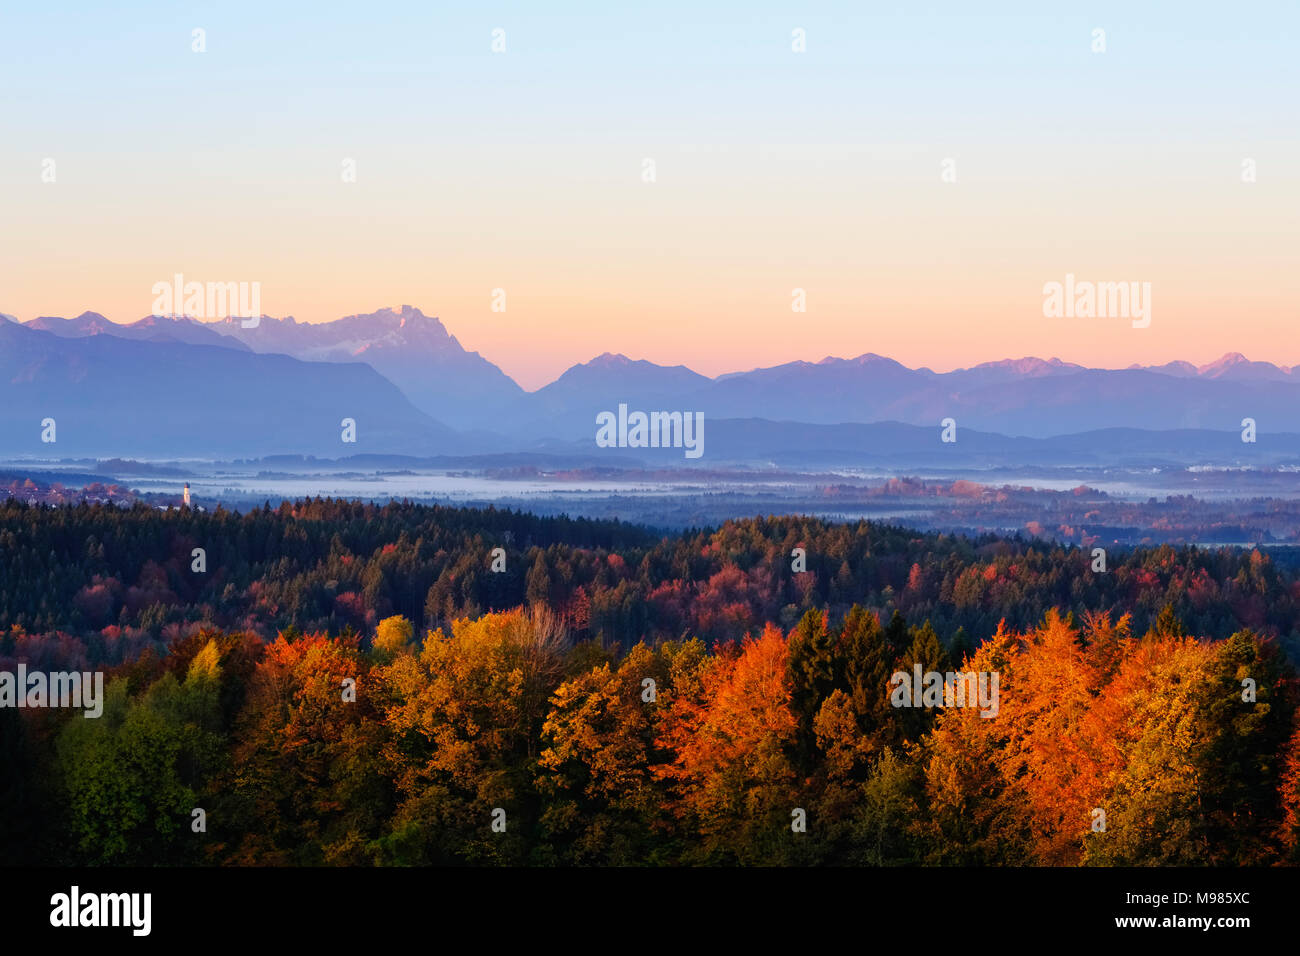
<point>114,396</point>
<point>411,349</point>
<point>405,372</point>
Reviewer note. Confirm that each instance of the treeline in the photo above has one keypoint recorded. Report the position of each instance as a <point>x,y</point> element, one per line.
<point>96,584</point>
<point>502,741</point>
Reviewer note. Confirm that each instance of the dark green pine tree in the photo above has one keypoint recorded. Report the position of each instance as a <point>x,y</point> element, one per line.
<point>960,648</point>
<point>1250,716</point>
<point>867,666</point>
<point>897,636</point>
<point>927,650</point>
<point>812,677</point>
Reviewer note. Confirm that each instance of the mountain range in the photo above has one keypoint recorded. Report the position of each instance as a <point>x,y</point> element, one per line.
<point>177,386</point>
<point>109,394</point>
<point>412,350</point>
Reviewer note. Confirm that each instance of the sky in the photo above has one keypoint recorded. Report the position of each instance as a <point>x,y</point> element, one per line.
<point>524,170</point>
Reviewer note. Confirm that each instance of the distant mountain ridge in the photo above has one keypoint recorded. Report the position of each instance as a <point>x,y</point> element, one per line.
<point>113,396</point>
<point>151,328</point>
<point>1029,396</point>
<point>412,350</point>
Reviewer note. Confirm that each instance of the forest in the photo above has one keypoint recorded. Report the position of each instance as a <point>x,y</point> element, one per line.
<point>93,584</point>
<point>350,684</point>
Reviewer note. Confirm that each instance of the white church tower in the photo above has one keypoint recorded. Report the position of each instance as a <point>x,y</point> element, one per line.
<point>187,494</point>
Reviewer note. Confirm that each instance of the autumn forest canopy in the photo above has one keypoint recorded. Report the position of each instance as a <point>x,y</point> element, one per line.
<point>614,696</point>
